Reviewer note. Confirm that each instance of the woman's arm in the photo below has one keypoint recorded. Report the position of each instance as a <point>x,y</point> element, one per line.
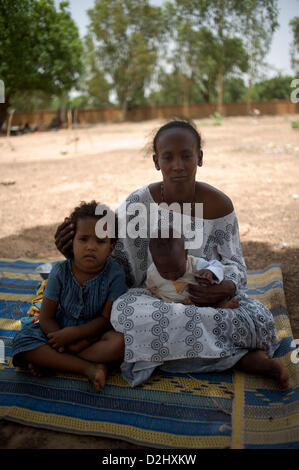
<point>64,238</point>
<point>211,294</point>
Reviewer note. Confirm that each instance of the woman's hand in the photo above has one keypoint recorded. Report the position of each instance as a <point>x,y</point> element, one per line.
<point>64,238</point>
<point>61,338</point>
<point>210,294</point>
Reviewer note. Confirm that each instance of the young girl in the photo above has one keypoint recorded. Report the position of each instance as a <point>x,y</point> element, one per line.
<point>74,332</point>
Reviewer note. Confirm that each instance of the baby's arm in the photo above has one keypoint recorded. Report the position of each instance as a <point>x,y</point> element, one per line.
<point>205,274</point>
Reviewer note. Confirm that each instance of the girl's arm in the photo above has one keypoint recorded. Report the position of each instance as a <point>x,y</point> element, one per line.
<point>98,325</point>
<point>72,334</point>
<point>47,318</point>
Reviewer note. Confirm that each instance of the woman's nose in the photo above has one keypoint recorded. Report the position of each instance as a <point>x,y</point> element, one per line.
<point>178,164</point>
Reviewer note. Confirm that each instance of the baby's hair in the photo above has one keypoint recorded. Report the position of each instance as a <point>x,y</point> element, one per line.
<point>88,209</point>
<point>161,246</point>
<point>178,123</point>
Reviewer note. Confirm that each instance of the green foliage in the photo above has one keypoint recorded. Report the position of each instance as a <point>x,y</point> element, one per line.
<point>274,88</point>
<point>217,119</point>
<point>294,23</point>
<point>40,48</point>
<point>295,124</point>
<point>234,90</point>
<point>123,41</point>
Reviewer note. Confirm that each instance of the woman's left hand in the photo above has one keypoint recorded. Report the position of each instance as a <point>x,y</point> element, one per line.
<point>210,294</point>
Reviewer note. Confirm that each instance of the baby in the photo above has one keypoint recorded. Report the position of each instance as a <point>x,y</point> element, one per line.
<point>173,269</point>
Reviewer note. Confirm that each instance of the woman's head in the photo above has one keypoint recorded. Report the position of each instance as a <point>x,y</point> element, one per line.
<point>90,252</point>
<point>178,124</point>
<point>177,151</point>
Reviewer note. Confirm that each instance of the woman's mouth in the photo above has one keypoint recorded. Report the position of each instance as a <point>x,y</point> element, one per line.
<point>179,178</point>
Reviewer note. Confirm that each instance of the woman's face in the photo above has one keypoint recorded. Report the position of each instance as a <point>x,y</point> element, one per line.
<point>177,156</point>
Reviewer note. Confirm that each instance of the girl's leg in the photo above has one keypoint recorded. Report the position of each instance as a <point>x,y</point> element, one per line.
<point>257,362</point>
<point>49,358</point>
<point>110,348</point>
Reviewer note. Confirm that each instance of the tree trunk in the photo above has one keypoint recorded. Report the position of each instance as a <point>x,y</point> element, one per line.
<point>3,112</point>
<point>124,109</point>
<point>249,90</point>
<point>220,92</point>
<point>186,96</point>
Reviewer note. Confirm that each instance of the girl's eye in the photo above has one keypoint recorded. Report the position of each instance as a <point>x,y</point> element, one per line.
<point>100,241</point>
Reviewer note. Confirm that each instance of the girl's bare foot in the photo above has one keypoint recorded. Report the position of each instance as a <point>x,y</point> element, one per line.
<point>35,370</point>
<point>257,362</point>
<point>97,375</point>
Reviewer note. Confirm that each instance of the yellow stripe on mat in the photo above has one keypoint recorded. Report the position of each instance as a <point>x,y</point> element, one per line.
<point>238,412</point>
<point>17,297</point>
<point>112,430</point>
<point>9,324</point>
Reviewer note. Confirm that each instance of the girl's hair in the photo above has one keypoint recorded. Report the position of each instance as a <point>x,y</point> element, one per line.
<point>178,123</point>
<point>88,209</point>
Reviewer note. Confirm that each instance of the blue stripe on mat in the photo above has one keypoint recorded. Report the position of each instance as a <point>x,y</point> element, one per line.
<point>176,423</point>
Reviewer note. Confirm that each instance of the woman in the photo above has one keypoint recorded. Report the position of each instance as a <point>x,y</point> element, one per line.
<point>196,338</point>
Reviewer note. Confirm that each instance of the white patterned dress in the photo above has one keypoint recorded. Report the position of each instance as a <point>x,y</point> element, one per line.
<point>180,338</point>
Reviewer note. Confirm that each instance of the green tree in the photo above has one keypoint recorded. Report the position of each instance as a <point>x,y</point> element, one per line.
<point>234,90</point>
<point>259,22</point>
<point>294,23</point>
<point>274,88</point>
<point>40,49</point>
<point>214,44</point>
<point>125,35</point>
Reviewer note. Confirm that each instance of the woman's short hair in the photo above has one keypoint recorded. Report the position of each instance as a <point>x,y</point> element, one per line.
<point>181,124</point>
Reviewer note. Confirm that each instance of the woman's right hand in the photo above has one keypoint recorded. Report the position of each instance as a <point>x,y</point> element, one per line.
<point>64,238</point>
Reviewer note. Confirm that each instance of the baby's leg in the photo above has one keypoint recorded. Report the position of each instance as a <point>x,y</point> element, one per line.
<point>257,362</point>
<point>229,303</point>
<point>47,357</point>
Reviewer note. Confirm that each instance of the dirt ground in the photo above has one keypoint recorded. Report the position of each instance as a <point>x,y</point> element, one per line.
<point>44,175</point>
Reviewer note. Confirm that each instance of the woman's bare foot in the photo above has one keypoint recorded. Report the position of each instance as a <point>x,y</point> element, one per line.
<point>97,375</point>
<point>257,362</point>
<point>231,303</point>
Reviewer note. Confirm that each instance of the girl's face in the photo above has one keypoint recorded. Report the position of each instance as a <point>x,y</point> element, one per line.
<point>90,252</point>
<point>177,156</point>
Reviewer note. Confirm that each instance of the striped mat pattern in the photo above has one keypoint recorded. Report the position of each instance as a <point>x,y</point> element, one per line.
<point>220,410</point>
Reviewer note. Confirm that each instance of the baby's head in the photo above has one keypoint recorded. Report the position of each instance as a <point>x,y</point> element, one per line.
<point>169,255</point>
<point>90,252</point>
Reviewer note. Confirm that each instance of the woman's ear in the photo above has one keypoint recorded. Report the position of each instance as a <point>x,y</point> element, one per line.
<point>155,159</point>
<point>200,158</point>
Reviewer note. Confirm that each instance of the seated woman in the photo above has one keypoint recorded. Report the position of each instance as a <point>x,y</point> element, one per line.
<point>189,338</point>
